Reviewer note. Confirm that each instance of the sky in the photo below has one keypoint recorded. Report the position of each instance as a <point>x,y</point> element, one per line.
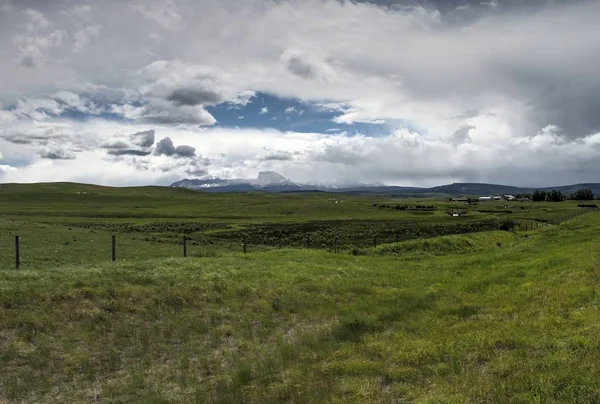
<point>408,92</point>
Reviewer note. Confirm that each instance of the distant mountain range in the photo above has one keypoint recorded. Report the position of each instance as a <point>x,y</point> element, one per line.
<point>270,181</point>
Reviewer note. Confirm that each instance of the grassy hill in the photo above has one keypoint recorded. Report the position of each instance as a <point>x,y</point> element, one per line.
<point>65,223</point>
<point>519,323</point>
<point>452,313</point>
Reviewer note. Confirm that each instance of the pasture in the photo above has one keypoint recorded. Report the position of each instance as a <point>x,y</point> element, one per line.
<point>478,316</point>
<point>65,223</point>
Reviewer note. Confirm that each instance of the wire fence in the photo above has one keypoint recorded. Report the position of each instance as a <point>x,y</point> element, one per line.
<point>250,243</point>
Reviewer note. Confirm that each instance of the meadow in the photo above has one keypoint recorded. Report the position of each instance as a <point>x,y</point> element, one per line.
<point>64,223</point>
<point>481,316</point>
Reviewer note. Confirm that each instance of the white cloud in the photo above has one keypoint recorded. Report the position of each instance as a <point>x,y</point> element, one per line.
<point>294,110</point>
<point>4,169</point>
<point>510,92</point>
<point>264,111</point>
<point>36,38</point>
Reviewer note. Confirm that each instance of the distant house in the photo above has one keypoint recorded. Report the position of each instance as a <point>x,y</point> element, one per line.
<point>485,198</point>
<point>509,197</point>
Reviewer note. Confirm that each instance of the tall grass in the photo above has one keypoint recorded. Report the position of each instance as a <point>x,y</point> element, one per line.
<point>514,324</point>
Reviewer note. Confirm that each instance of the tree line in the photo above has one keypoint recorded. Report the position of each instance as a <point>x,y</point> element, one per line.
<point>558,196</point>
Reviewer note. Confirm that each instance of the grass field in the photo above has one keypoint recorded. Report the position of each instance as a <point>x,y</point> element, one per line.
<point>492,316</point>
<point>71,223</point>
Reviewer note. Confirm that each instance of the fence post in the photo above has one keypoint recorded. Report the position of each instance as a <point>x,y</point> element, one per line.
<point>184,247</point>
<point>17,253</point>
<point>280,243</point>
<point>114,248</point>
<point>307,241</point>
<point>245,248</point>
<point>336,247</point>
<point>375,242</point>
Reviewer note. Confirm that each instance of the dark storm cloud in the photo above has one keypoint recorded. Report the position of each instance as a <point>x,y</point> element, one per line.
<point>194,96</point>
<point>278,156</point>
<point>185,151</point>
<point>578,113</point>
<point>57,154</point>
<point>165,147</point>
<point>28,61</point>
<point>299,67</point>
<point>143,139</point>
<point>129,152</point>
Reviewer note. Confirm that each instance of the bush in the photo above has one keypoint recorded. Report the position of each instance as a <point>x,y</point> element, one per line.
<point>506,225</point>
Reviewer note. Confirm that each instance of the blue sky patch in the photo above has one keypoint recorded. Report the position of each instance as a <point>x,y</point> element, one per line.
<point>288,115</point>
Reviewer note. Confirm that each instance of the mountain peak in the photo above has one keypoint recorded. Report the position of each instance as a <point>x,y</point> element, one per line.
<point>272,178</point>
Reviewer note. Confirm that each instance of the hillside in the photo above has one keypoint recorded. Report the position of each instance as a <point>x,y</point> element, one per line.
<point>273,182</point>
<point>511,324</point>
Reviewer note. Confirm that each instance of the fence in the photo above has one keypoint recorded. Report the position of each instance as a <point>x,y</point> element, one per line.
<point>333,245</point>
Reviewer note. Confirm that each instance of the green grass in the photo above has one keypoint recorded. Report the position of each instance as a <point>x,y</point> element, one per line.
<point>64,223</point>
<point>451,244</point>
<point>454,319</point>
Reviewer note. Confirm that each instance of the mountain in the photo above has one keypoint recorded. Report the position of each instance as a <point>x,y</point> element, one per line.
<point>270,181</point>
<point>478,189</point>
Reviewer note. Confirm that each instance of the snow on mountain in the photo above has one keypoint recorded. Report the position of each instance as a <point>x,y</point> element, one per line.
<point>266,180</point>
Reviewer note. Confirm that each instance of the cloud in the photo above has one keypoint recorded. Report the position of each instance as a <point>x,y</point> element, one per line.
<point>242,99</point>
<point>165,147</point>
<point>294,110</point>
<point>129,152</point>
<point>164,13</point>
<point>37,38</point>
<point>6,169</point>
<point>264,111</point>
<point>56,153</point>
<point>144,138</point>
<point>188,96</point>
<point>85,36</point>
<point>461,135</point>
<point>309,65</point>
<point>478,86</point>
<point>130,144</point>
<point>278,156</point>
<point>162,112</point>
<point>197,172</point>
<point>28,61</point>
<point>185,151</point>
<point>300,68</point>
